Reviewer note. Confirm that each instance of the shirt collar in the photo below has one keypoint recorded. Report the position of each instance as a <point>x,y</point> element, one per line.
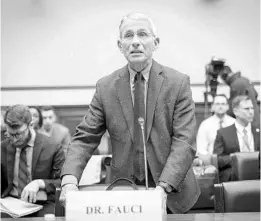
<point>145,72</point>
<point>32,139</point>
<point>218,119</point>
<point>240,128</point>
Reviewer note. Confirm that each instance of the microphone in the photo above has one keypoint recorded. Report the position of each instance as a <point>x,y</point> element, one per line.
<point>141,123</point>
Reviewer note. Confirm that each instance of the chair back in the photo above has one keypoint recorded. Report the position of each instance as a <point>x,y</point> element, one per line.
<point>245,166</point>
<point>237,196</point>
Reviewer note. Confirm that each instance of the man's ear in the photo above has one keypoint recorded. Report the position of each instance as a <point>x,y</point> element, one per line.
<point>156,43</point>
<point>119,45</point>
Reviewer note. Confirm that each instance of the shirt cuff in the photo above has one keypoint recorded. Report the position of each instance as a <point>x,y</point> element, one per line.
<point>168,188</point>
<point>69,179</point>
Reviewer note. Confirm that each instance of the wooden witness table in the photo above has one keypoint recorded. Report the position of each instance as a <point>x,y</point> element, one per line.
<point>182,217</point>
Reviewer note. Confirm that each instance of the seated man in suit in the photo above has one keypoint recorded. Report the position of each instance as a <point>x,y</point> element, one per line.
<point>30,161</point>
<point>239,137</point>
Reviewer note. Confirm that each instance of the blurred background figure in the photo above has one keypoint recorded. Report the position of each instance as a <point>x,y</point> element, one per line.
<point>242,136</point>
<point>240,85</point>
<point>37,118</point>
<point>3,127</point>
<point>208,128</point>
<point>51,128</point>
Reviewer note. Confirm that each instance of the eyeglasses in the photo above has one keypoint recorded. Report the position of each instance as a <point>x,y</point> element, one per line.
<point>16,136</point>
<point>142,35</point>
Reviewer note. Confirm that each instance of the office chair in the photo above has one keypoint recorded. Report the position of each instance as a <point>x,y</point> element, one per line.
<point>237,196</point>
<point>245,166</point>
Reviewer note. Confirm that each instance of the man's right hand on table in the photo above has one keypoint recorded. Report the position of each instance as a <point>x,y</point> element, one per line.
<point>66,188</point>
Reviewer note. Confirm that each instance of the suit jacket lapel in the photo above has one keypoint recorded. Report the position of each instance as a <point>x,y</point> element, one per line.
<point>124,95</point>
<point>11,150</point>
<point>154,86</point>
<point>256,137</point>
<point>38,145</point>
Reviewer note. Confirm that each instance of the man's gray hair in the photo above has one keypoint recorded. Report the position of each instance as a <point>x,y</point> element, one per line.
<point>139,16</point>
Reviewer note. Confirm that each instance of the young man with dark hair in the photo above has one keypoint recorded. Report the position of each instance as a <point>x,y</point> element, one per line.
<point>53,129</point>
<point>30,161</point>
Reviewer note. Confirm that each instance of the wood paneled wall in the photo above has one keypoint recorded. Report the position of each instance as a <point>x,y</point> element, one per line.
<point>70,116</point>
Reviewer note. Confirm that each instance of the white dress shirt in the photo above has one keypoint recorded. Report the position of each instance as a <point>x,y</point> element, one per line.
<point>240,135</point>
<point>207,133</point>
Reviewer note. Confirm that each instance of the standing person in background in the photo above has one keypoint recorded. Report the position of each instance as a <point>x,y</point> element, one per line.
<point>37,118</point>
<point>158,94</point>
<point>30,161</point>
<point>240,85</point>
<point>51,128</point>
<point>207,130</point>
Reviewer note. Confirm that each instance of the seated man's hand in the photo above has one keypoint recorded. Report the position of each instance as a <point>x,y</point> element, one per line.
<point>198,162</point>
<point>30,191</point>
<point>66,188</point>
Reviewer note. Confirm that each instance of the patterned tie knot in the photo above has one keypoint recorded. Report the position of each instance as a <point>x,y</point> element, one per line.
<point>138,77</point>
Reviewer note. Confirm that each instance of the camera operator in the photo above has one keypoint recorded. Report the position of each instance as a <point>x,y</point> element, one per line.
<point>240,86</point>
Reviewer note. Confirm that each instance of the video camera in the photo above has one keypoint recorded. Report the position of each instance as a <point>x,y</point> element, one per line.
<point>213,70</point>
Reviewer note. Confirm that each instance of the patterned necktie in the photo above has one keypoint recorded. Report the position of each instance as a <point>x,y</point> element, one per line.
<point>139,111</point>
<point>23,176</point>
<point>245,139</point>
<point>220,123</point>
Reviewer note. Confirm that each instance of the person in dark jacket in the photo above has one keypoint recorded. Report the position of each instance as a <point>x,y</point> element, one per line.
<point>240,85</point>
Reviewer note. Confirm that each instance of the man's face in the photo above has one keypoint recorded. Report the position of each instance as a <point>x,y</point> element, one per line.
<point>48,119</point>
<point>137,42</point>
<point>18,137</point>
<point>220,105</point>
<point>245,111</point>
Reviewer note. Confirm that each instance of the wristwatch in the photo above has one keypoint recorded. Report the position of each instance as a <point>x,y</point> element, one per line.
<point>167,188</point>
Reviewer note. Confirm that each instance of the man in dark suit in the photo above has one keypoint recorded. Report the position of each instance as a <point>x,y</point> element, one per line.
<point>167,109</point>
<point>30,162</point>
<point>239,137</point>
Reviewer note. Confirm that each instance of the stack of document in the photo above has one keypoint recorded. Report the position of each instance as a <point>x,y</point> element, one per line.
<point>18,208</point>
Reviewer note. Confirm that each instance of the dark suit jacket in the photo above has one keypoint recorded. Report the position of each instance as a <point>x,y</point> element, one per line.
<point>226,143</point>
<point>170,126</point>
<point>48,159</point>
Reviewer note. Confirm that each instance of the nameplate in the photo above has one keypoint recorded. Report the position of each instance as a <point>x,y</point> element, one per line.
<point>135,205</point>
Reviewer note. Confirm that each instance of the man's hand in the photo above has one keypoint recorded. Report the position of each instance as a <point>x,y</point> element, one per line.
<point>198,162</point>
<point>29,192</point>
<point>66,188</point>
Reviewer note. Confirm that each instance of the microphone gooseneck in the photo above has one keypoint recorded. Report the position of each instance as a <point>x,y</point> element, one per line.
<point>141,123</point>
